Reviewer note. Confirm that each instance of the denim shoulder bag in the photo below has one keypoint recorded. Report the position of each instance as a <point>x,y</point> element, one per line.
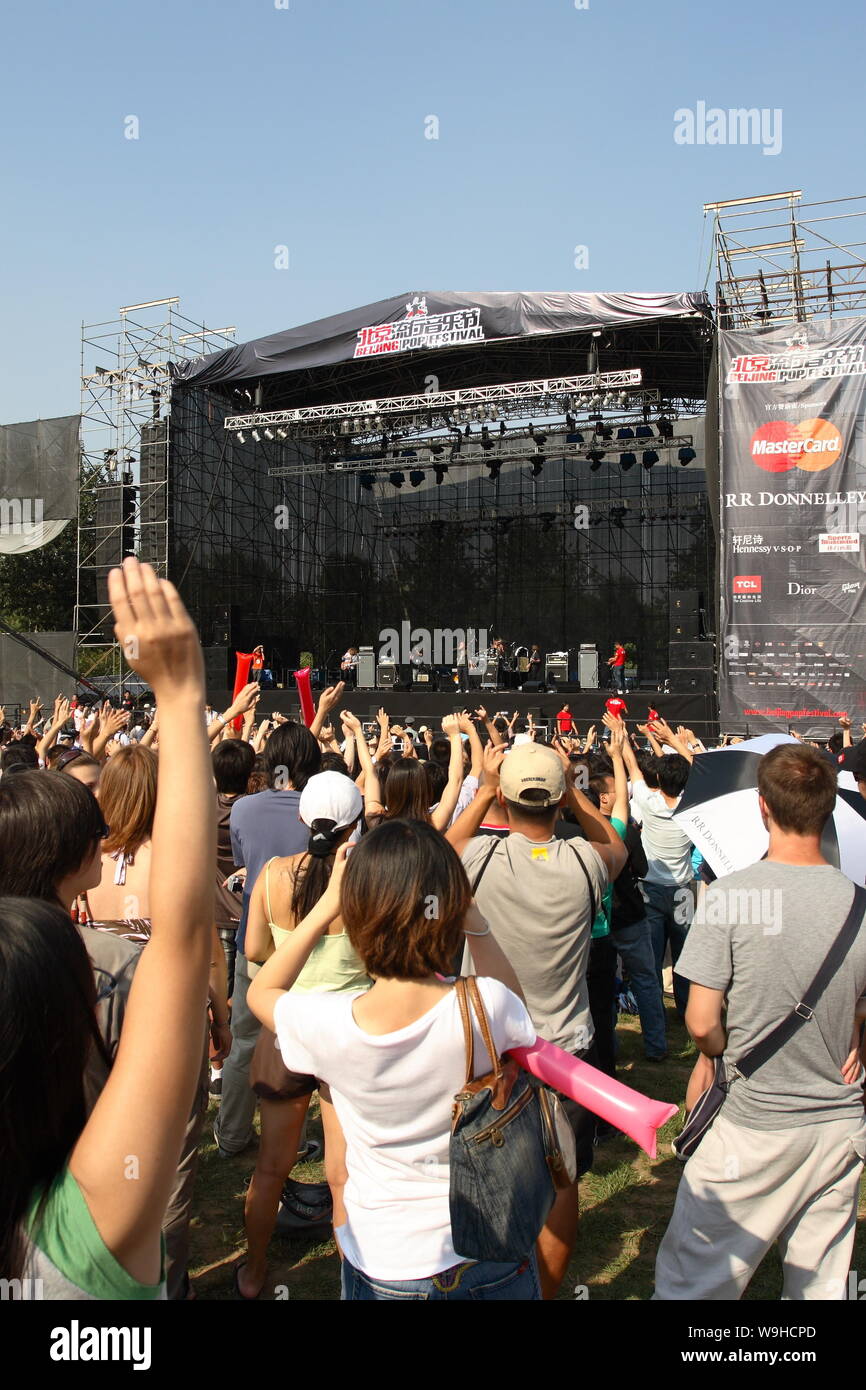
<point>505,1157</point>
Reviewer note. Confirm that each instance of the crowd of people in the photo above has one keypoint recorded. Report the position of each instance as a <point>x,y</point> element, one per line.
<point>206,902</point>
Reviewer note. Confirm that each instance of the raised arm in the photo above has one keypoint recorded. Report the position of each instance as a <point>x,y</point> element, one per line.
<point>597,829</point>
<point>137,1126</point>
<point>470,819</point>
<point>451,795</point>
<point>372,791</point>
<point>58,719</point>
<point>328,700</point>
<point>476,752</point>
<point>617,743</point>
<point>665,733</point>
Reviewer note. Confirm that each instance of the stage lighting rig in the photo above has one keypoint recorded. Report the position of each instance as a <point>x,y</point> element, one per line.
<point>664,427</point>
<point>396,479</point>
<point>493,470</point>
<point>416,477</point>
<point>595,457</point>
<point>537,467</point>
<point>627,461</point>
<point>367,481</point>
<point>650,458</point>
<point>439,471</point>
<point>686,456</point>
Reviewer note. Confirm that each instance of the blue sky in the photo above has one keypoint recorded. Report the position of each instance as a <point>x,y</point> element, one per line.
<point>305,127</point>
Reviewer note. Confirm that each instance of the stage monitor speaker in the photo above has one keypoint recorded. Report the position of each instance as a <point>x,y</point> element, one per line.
<point>687,681</point>
<point>685,627</point>
<point>686,601</point>
<point>556,671</point>
<point>587,669</point>
<point>700,655</point>
<point>386,675</point>
<point>366,669</point>
<point>529,686</point>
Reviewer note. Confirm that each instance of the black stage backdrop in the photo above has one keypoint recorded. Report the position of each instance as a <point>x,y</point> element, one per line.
<point>793,504</point>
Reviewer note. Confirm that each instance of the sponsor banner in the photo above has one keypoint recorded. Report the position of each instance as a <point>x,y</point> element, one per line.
<point>793,510</point>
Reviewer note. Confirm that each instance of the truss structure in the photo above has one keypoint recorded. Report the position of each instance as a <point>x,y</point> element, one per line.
<point>779,260</point>
<point>125,414</point>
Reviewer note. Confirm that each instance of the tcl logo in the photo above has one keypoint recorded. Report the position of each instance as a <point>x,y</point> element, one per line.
<point>812,445</point>
<point>747,584</point>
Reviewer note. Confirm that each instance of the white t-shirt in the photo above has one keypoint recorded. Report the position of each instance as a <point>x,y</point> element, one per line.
<point>393,1095</point>
<point>668,849</point>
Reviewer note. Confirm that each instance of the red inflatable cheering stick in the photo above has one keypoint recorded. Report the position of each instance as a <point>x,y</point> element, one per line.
<point>302,681</point>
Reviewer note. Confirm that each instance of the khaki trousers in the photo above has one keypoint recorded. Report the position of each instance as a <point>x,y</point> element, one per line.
<point>745,1189</point>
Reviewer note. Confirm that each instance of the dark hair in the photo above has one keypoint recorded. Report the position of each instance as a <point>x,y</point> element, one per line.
<point>500,725</point>
<point>233,762</point>
<point>391,879</point>
<point>28,741</point>
<point>835,742</point>
<point>65,756</point>
<point>127,793</point>
<point>648,764</point>
<point>313,873</point>
<point>18,755</point>
<point>407,790</point>
<point>437,777</point>
<point>292,751</point>
<point>440,750</point>
<point>335,762</point>
<point>799,787</point>
<point>527,811</point>
<point>672,770</point>
<point>260,778</point>
<point>47,1025</point>
<point>49,825</point>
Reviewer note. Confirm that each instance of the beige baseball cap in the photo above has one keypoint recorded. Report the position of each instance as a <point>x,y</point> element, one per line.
<point>532,768</point>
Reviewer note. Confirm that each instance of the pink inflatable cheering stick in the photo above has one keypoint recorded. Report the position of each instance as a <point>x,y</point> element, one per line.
<point>625,1109</point>
<point>302,681</point>
<point>242,678</point>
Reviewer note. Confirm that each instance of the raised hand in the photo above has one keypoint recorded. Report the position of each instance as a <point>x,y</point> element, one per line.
<point>491,763</point>
<point>331,696</point>
<point>382,718</point>
<point>451,726</point>
<point>351,723</point>
<point>35,708</point>
<point>158,636</point>
<point>481,713</point>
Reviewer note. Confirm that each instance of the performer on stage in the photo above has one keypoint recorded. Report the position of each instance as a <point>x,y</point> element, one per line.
<point>258,664</point>
<point>617,665</point>
<point>349,666</point>
<point>536,663</point>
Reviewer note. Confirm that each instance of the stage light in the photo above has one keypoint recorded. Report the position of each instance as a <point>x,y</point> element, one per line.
<point>540,439</point>
<point>396,479</point>
<point>108,455</point>
<point>486,441</point>
<point>502,427</point>
<point>439,471</point>
<point>650,458</point>
<point>644,432</point>
<point>436,449</point>
<point>493,413</point>
<point>345,427</point>
<point>367,480</point>
<point>282,434</point>
<point>685,456</point>
<point>493,470</point>
<point>623,400</point>
<point>383,447</point>
<point>537,466</point>
<point>626,432</point>
<point>664,427</point>
<point>416,477</point>
<point>241,437</point>
<point>269,434</point>
<point>570,422</point>
<point>595,457</point>
<point>602,430</point>
<point>627,461</point>
<point>455,453</point>
<point>456,443</point>
<point>575,438</point>
<point>468,432</point>
<point>257,437</point>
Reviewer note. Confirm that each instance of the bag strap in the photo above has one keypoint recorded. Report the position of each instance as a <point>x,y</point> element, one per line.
<point>804,1011</point>
<point>468,1036</point>
<point>592,902</point>
<point>485,862</point>
<point>484,1025</point>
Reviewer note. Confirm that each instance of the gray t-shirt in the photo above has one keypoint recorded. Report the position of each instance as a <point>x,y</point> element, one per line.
<point>761,935</point>
<point>536,899</point>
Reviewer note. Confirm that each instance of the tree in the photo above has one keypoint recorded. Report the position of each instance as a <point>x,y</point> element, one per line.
<point>37,589</point>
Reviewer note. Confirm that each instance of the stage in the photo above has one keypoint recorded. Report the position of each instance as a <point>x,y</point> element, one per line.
<point>695,711</point>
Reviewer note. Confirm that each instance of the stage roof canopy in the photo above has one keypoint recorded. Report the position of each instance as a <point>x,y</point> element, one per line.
<point>469,338</point>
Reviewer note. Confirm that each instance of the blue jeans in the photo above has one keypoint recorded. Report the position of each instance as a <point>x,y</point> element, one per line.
<point>483,1282</point>
<point>634,944</point>
<point>663,908</point>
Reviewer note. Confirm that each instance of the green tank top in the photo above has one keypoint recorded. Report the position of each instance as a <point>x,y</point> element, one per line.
<point>333,967</point>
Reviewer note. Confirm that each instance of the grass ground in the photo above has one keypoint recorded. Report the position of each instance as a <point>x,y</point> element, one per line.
<point>626,1201</point>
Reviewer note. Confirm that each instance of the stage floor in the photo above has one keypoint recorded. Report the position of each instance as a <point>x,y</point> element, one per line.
<point>587,706</point>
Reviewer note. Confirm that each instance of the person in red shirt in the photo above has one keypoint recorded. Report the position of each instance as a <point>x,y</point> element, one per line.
<point>617,665</point>
<point>564,721</point>
<point>258,664</point>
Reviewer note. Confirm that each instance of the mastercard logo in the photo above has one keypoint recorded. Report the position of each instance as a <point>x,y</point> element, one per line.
<point>780,445</point>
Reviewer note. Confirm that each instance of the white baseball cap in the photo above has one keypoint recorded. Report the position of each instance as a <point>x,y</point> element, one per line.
<point>331,796</point>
